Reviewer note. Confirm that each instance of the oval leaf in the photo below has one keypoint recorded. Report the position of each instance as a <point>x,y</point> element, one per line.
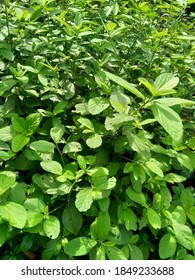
<point>136,197</point>
<point>51,227</point>
<point>15,214</point>
<point>94,141</point>
<point>100,228</point>
<point>72,219</point>
<point>42,146</point>
<point>18,142</point>
<point>52,167</point>
<point>84,199</point>
<point>79,246</point>
<point>167,246</point>
<point>169,120</point>
<point>72,147</point>
<point>7,179</point>
<point>153,218</point>
<point>97,104</point>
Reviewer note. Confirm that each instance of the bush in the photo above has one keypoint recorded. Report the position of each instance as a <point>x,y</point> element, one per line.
<point>96,130</point>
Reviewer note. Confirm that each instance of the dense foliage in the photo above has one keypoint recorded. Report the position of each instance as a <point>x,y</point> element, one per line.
<point>97,129</point>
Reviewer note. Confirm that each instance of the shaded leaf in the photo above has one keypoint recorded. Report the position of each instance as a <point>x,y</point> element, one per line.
<point>72,219</point>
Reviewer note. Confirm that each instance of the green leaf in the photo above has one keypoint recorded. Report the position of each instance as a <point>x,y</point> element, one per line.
<point>52,167</point>
<point>81,162</point>
<point>102,183</point>
<point>6,133</point>
<point>119,101</point>
<point>191,214</point>
<point>17,193</point>
<point>136,197</point>
<point>15,214</point>
<point>153,218</point>
<point>84,199</point>
<point>146,83</point>
<point>18,142</point>
<point>79,246</point>
<point>72,219</point>
<point>42,146</point>
<point>171,101</point>
<point>56,134</point>
<point>123,83</point>
<point>35,204</point>
<point>117,121</point>
<point>7,180</point>
<point>33,219</point>
<point>174,178</point>
<point>33,121</point>
<point>53,248</point>
<point>114,253</point>
<point>128,167</point>
<point>127,216</point>
<point>169,120</point>
<point>136,253</point>
<point>72,147</point>
<point>7,54</point>
<point>97,104</point>
<point>165,83</point>
<point>4,232</point>
<point>187,199</point>
<point>86,123</point>
<point>100,227</point>
<point>27,242</point>
<point>185,161</point>
<point>42,79</point>
<point>60,107</point>
<point>137,144</point>
<point>51,227</point>
<point>154,166</point>
<point>191,143</point>
<point>100,254</point>
<point>110,26</point>
<point>137,177</point>
<point>104,204</point>
<point>19,124</point>
<point>94,141</point>
<point>179,214</point>
<point>167,246</point>
<point>183,235</point>
<point>36,14</point>
<point>6,85</point>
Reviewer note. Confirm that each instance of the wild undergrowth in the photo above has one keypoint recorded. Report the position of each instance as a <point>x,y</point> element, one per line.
<point>97,130</point>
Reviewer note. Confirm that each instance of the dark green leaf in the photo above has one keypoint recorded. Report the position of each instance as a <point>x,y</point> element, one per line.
<point>72,219</point>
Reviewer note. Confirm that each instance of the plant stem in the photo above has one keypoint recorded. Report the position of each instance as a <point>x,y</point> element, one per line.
<point>7,23</point>
<point>61,155</point>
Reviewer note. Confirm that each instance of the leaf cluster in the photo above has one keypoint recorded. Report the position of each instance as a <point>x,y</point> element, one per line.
<point>97,130</point>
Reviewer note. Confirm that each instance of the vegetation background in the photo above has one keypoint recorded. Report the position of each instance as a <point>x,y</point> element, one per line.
<point>97,129</point>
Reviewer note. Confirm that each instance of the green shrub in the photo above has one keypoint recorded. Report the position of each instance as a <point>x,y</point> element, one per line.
<point>96,130</point>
